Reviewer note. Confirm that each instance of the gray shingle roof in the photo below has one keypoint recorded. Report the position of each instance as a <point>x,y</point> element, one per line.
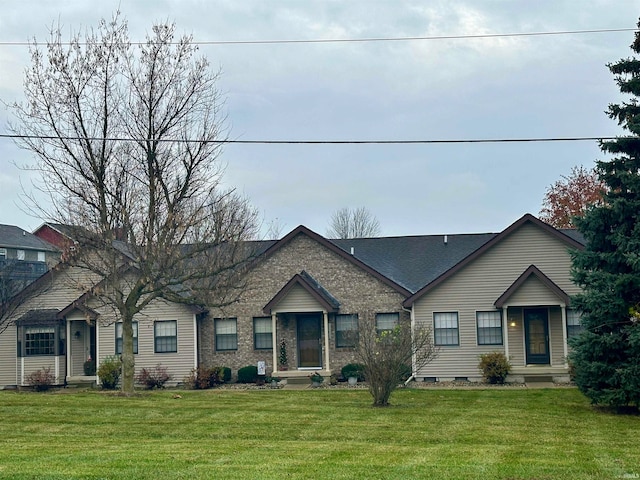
<point>15,237</point>
<point>414,261</point>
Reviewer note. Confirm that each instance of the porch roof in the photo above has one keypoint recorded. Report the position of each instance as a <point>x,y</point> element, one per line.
<point>546,281</point>
<point>39,317</point>
<point>312,286</point>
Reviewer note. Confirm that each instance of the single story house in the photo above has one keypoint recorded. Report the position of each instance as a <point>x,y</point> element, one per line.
<point>478,293</point>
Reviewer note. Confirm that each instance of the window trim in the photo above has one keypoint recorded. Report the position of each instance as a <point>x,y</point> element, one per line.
<point>135,338</point>
<point>437,329</point>
<point>500,327</point>
<point>217,335</point>
<point>255,333</point>
<point>157,338</point>
<point>59,339</point>
<point>340,342</point>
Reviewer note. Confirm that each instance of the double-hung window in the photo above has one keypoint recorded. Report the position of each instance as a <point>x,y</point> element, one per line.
<point>445,327</point>
<point>262,338</point>
<point>165,335</point>
<point>226,334</point>
<point>574,326</point>
<point>386,321</point>
<point>119,338</point>
<point>346,330</point>
<point>489,327</point>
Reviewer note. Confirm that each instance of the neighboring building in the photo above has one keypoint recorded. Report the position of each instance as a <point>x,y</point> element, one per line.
<point>479,293</point>
<point>23,258</point>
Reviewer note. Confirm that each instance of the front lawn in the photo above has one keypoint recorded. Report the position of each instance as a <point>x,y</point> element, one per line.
<point>274,434</point>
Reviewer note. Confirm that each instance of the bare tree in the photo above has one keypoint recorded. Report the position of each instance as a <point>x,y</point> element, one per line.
<point>127,141</point>
<point>358,223</point>
<point>389,356</point>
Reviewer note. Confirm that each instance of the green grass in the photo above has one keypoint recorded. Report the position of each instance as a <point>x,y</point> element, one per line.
<point>323,433</point>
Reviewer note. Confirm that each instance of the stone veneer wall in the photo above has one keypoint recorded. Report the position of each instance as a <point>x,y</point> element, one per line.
<point>356,290</point>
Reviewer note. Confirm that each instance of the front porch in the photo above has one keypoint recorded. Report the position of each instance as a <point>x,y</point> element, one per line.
<point>539,373</point>
<point>297,377</point>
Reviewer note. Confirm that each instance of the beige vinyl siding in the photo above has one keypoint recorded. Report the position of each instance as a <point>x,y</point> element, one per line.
<point>533,292</point>
<point>298,300</point>
<point>516,336</point>
<point>78,348</point>
<point>8,356</point>
<point>28,365</point>
<point>179,364</point>
<point>556,342</point>
<point>477,286</point>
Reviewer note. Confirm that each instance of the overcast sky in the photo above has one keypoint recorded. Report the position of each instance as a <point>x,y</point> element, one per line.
<point>500,87</point>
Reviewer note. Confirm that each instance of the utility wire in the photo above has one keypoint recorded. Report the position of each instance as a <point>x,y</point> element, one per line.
<point>322,142</point>
<point>365,40</point>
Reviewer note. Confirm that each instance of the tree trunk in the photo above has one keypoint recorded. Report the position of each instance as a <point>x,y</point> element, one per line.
<point>128,361</point>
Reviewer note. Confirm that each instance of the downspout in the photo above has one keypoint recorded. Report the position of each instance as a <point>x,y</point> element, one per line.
<point>413,354</point>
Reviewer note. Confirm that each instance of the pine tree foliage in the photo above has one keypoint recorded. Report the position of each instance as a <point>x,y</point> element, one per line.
<point>606,355</point>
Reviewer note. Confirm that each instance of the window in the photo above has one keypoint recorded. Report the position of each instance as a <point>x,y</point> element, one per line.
<point>262,339</point>
<point>3,253</point>
<point>386,321</point>
<point>446,328</point>
<point>346,330</point>
<point>20,254</point>
<point>489,327</point>
<point>39,341</point>
<point>226,334</point>
<point>165,336</point>
<point>119,338</point>
<point>41,256</point>
<point>574,326</point>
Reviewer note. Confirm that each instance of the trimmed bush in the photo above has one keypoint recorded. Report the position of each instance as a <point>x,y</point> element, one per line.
<point>353,370</point>
<point>248,374</point>
<point>494,366</point>
<point>109,372</point>
<point>41,380</point>
<point>203,377</point>
<point>153,378</point>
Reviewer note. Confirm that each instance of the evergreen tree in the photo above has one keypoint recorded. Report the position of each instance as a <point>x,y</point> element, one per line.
<point>606,355</point>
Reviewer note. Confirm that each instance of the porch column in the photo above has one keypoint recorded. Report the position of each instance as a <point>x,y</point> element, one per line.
<point>505,326</point>
<point>98,344</point>
<point>67,339</point>
<point>563,309</point>
<point>325,316</point>
<point>273,342</point>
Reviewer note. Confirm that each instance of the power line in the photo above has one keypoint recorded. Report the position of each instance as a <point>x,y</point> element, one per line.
<point>369,39</point>
<point>321,142</point>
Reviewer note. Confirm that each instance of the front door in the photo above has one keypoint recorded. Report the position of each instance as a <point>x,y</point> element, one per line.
<point>536,333</point>
<point>309,340</point>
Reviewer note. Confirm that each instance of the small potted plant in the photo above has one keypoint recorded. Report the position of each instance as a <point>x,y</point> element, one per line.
<point>316,379</point>
<point>353,372</point>
<point>283,361</point>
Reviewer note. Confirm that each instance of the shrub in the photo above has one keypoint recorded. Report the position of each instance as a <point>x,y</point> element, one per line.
<point>494,366</point>
<point>41,380</point>
<point>153,378</point>
<point>353,370</point>
<point>248,374</point>
<point>109,372</point>
<point>203,377</point>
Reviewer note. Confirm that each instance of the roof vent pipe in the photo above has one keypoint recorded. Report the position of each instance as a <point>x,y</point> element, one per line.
<point>446,239</point>
<point>352,250</point>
